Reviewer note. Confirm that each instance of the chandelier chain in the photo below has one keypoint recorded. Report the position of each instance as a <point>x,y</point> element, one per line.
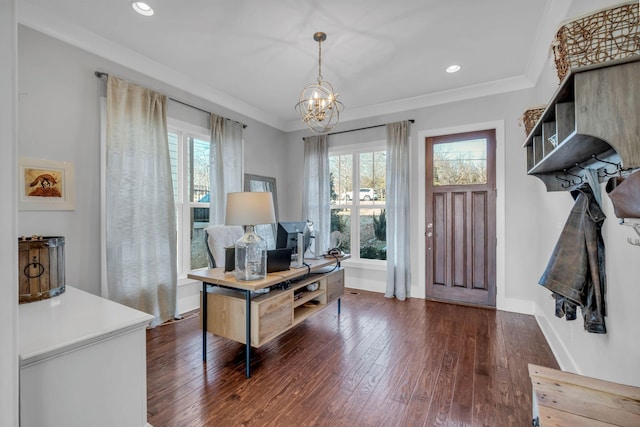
<point>319,61</point>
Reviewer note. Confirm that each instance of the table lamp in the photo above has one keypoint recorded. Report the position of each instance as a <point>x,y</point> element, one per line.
<point>250,209</point>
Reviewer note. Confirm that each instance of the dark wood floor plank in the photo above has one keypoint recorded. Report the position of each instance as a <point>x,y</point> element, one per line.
<point>381,362</point>
<point>461,413</point>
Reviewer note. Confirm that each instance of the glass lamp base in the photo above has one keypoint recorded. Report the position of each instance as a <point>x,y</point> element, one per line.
<point>251,256</point>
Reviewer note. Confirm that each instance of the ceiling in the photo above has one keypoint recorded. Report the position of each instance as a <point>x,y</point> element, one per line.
<point>254,57</point>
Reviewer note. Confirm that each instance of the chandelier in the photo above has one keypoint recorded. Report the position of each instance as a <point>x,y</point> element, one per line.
<point>318,104</point>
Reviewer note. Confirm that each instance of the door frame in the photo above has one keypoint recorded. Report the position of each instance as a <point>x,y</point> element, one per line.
<point>498,125</point>
<point>449,292</point>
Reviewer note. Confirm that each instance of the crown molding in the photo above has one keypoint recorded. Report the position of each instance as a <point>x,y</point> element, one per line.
<point>37,19</point>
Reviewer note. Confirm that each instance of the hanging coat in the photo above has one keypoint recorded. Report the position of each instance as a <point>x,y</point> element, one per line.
<point>576,270</point>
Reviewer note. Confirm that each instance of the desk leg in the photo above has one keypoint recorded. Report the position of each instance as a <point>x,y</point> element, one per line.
<point>339,301</point>
<point>204,321</point>
<point>248,335</point>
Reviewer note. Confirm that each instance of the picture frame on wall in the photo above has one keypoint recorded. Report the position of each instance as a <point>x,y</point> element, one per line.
<point>45,185</point>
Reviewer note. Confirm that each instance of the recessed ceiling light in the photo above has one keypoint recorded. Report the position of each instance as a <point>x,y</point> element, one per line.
<point>453,68</point>
<point>142,8</point>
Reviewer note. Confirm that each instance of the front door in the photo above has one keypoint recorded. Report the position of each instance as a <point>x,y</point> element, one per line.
<point>461,218</point>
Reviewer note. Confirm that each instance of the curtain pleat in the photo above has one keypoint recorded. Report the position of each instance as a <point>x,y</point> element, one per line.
<point>226,166</point>
<point>397,211</point>
<point>140,222</point>
<point>315,196</point>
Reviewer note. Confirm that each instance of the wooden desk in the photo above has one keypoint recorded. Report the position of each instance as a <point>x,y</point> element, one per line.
<point>566,399</point>
<point>274,312</point>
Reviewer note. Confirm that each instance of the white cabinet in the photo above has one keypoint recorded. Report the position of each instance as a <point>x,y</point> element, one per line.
<point>82,362</point>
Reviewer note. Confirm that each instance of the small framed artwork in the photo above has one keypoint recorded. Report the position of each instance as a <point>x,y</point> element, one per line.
<point>45,185</point>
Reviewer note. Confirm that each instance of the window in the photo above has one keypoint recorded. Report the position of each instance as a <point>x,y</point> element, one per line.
<point>358,185</point>
<point>189,148</point>
<point>460,163</point>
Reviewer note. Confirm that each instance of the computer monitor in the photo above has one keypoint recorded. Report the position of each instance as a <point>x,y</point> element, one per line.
<point>287,236</point>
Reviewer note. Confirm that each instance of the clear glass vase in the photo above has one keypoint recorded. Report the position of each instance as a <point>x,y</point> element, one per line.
<point>251,256</point>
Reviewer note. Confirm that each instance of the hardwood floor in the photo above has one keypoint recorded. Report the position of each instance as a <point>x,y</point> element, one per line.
<point>382,362</point>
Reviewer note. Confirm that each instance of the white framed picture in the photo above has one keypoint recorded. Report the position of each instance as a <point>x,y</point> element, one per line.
<point>45,185</point>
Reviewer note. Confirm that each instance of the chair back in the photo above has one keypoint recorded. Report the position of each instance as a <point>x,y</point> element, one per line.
<point>219,237</point>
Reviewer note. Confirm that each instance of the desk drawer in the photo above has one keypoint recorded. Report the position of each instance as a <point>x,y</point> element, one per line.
<point>335,285</point>
<point>270,315</point>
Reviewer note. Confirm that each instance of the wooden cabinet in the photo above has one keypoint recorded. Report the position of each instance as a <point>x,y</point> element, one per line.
<point>592,121</point>
<point>272,313</point>
<point>82,362</point>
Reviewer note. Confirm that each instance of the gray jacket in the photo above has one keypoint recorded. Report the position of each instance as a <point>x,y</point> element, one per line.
<point>576,270</point>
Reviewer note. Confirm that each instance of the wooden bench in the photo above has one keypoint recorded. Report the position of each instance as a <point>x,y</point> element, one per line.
<point>566,399</point>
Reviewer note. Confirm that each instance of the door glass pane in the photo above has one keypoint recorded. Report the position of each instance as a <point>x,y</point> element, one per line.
<point>341,176</point>
<point>341,229</point>
<point>373,167</point>
<point>460,162</point>
<point>373,233</point>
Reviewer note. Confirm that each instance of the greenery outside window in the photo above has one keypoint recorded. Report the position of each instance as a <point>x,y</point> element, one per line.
<point>358,200</point>
<point>189,149</point>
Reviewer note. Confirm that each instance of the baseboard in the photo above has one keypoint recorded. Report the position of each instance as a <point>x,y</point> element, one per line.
<point>559,350</point>
<point>516,305</point>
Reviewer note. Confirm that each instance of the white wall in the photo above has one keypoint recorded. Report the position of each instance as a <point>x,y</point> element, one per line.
<point>59,120</point>
<point>530,221</point>
<point>613,356</point>
<point>8,216</point>
<point>53,73</point>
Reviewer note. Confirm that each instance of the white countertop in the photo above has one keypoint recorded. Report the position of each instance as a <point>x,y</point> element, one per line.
<point>71,320</point>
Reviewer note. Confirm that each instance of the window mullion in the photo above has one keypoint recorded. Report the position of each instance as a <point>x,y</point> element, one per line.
<point>355,211</point>
<point>185,240</point>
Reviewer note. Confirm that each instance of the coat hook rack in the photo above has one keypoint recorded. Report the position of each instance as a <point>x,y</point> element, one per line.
<point>566,172</point>
<point>595,157</point>
<point>567,182</point>
<point>606,173</point>
<point>636,228</point>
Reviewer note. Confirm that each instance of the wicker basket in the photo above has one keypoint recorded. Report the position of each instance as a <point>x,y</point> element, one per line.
<point>530,117</point>
<point>605,35</point>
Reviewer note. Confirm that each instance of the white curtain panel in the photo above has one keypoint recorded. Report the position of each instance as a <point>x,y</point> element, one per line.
<point>315,194</point>
<point>226,167</point>
<point>398,199</point>
<point>140,224</point>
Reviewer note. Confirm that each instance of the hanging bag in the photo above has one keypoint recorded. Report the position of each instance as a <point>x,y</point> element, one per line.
<point>625,195</point>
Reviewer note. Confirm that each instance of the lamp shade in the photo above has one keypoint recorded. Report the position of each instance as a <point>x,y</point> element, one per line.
<point>250,208</point>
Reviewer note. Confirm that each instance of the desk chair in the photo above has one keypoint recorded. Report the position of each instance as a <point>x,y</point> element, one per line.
<point>219,237</point>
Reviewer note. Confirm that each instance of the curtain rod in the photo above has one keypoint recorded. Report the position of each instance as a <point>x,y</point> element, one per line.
<point>100,74</point>
<point>368,127</point>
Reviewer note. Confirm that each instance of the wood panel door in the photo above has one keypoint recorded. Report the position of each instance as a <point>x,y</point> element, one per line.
<point>461,218</point>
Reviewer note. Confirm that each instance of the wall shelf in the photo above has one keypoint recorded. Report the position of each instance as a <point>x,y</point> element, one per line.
<point>594,111</point>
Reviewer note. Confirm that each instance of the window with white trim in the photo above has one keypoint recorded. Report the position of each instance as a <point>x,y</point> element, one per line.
<point>189,148</point>
<point>358,200</point>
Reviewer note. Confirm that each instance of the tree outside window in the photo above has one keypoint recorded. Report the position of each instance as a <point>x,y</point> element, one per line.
<point>358,197</point>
